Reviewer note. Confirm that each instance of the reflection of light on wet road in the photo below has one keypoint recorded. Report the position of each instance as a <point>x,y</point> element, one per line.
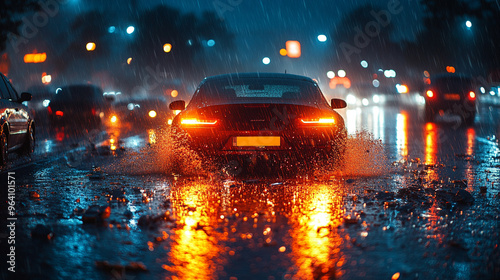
<point>133,142</point>
<point>469,172</point>
<point>315,241</point>
<point>351,117</point>
<point>48,145</point>
<point>378,123</point>
<point>372,119</point>
<point>430,143</point>
<point>402,134</point>
<point>471,136</point>
<point>196,249</point>
<point>151,136</point>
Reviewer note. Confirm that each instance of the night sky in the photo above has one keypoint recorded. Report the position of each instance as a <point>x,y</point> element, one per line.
<point>260,27</point>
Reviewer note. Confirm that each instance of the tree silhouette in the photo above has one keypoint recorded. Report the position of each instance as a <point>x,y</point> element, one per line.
<point>360,36</point>
<point>10,17</point>
<point>188,36</point>
<point>446,40</point>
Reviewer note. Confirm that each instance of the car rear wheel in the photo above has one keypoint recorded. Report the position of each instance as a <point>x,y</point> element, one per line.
<point>4,151</point>
<point>29,145</point>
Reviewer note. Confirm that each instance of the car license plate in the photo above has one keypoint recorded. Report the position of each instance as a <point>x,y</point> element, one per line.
<point>452,96</point>
<point>257,141</point>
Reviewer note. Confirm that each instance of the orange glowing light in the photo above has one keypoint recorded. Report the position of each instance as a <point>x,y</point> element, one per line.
<point>450,69</point>
<point>344,81</point>
<point>472,95</point>
<point>314,243</point>
<point>395,276</point>
<point>198,122</point>
<point>174,93</point>
<point>318,121</point>
<point>35,58</point>
<point>129,60</point>
<point>167,48</point>
<point>46,79</point>
<point>59,113</point>
<point>293,49</point>
<point>194,253</point>
<point>90,46</point>
<point>283,52</point>
<point>430,144</point>
<point>402,134</point>
<point>430,94</point>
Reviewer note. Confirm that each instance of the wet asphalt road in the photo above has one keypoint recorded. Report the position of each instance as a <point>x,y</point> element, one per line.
<point>416,200</point>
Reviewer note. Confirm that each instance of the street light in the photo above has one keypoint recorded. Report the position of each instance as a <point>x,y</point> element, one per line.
<point>266,60</point>
<point>167,48</point>
<point>322,38</point>
<point>468,24</point>
<point>90,46</point>
<point>130,29</point>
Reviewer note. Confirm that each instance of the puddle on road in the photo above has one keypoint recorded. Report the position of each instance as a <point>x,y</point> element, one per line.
<point>365,221</point>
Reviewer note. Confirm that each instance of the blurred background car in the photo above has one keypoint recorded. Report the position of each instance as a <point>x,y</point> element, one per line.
<point>451,94</point>
<point>78,104</point>
<point>366,94</point>
<point>143,112</point>
<point>17,126</point>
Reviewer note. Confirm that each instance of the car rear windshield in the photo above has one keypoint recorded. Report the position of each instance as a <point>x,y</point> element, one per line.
<point>77,94</point>
<point>257,90</point>
<point>453,84</point>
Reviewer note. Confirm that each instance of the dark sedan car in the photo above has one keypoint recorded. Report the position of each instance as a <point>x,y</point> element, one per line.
<point>78,104</point>
<point>452,94</point>
<point>262,114</point>
<point>16,122</point>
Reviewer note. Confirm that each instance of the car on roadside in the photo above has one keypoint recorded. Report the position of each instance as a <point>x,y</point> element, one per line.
<point>267,117</point>
<point>82,105</point>
<point>452,94</point>
<point>17,125</point>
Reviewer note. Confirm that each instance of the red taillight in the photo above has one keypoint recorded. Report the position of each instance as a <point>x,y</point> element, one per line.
<point>197,122</point>
<point>93,111</point>
<point>49,110</point>
<point>59,113</point>
<point>317,121</point>
<point>430,94</point>
<point>472,95</point>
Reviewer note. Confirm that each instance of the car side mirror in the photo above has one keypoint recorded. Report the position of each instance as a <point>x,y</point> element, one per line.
<point>25,96</point>
<point>177,105</point>
<point>338,103</point>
